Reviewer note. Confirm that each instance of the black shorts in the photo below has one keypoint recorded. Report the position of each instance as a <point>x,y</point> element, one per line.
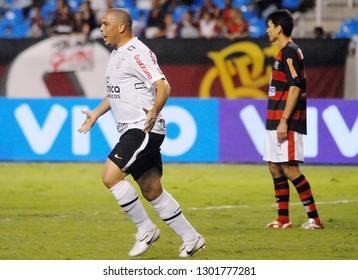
<point>137,152</point>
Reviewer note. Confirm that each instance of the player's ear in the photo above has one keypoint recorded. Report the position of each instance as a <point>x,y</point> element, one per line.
<point>121,27</point>
<point>280,30</point>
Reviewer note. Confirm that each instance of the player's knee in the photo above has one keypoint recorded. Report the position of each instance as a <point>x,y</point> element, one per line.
<point>151,190</point>
<point>107,182</point>
<point>110,181</point>
<point>112,175</point>
<point>291,172</point>
<point>151,195</point>
<point>275,169</point>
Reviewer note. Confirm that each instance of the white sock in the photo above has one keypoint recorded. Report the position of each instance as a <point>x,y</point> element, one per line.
<point>128,199</point>
<point>170,212</point>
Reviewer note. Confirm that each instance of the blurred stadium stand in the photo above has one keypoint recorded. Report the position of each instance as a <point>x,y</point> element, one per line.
<point>332,16</point>
<point>12,24</point>
<point>338,18</point>
<point>348,29</point>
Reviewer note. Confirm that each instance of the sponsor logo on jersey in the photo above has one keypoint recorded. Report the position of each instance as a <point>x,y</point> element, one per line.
<point>160,71</point>
<point>113,89</point>
<point>140,86</point>
<point>141,65</point>
<point>272,91</point>
<point>121,127</point>
<point>131,48</point>
<point>292,68</point>
<point>152,56</point>
<point>113,96</point>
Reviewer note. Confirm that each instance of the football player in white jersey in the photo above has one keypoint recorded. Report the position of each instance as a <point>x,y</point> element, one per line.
<point>137,90</point>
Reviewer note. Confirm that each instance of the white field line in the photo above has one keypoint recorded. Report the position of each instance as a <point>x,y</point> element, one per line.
<point>267,205</point>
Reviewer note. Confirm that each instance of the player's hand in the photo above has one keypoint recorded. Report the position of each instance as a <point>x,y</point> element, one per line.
<point>282,131</point>
<point>151,118</point>
<point>88,123</point>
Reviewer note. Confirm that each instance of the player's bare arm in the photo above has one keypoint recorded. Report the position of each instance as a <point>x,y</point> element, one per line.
<point>293,96</point>
<point>93,115</point>
<point>162,94</point>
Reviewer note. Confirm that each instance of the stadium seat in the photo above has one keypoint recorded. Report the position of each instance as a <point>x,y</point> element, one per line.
<point>14,16</point>
<point>50,5</point>
<point>198,2</point>
<point>179,11</point>
<point>290,4</point>
<point>134,11</point>
<point>20,30</point>
<point>240,3</point>
<point>249,14</point>
<point>257,28</point>
<point>219,3</point>
<point>348,29</point>
<point>74,4</point>
<point>48,10</point>
<point>123,3</point>
<point>8,3</point>
<point>2,28</point>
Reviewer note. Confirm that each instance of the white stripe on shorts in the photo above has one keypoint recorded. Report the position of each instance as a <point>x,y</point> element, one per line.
<point>141,148</point>
<point>291,149</point>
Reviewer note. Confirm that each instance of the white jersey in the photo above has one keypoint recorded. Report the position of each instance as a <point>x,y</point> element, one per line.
<point>132,69</point>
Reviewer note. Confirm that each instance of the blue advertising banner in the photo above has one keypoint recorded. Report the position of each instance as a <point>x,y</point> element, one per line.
<point>332,131</point>
<point>242,130</point>
<point>192,130</point>
<point>46,130</point>
<point>198,130</point>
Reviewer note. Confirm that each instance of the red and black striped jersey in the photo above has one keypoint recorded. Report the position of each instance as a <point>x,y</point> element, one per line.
<point>288,70</point>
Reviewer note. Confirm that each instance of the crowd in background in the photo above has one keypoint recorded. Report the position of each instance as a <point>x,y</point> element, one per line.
<point>230,19</point>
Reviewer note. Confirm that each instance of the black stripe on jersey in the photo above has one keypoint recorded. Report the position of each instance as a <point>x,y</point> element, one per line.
<point>284,85</point>
<point>280,105</point>
<point>276,105</point>
<point>294,125</point>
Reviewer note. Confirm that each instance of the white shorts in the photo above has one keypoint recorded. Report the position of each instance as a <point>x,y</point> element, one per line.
<point>289,150</point>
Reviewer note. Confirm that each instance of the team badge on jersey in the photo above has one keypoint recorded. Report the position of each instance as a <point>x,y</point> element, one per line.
<point>119,62</point>
<point>276,64</point>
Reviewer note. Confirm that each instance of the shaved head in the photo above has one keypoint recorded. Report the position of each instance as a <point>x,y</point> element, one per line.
<point>116,27</point>
<point>118,15</point>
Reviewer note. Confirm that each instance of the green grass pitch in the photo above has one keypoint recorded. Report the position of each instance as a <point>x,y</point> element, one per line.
<point>61,211</point>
